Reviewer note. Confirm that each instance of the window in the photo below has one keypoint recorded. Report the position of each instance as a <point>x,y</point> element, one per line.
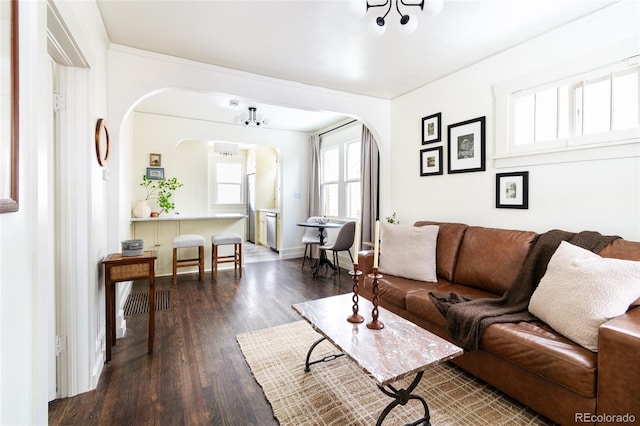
<point>340,176</point>
<point>331,181</point>
<point>596,107</point>
<point>228,182</point>
<point>626,109</point>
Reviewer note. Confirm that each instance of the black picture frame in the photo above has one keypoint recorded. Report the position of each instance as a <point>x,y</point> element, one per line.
<point>512,190</point>
<point>155,173</point>
<point>466,143</point>
<point>432,128</point>
<point>431,161</point>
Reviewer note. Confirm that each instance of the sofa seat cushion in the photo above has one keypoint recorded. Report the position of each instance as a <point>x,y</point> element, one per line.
<point>419,303</point>
<point>534,346</point>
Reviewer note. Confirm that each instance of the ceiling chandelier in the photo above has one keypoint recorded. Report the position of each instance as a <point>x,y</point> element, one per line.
<point>252,118</point>
<point>408,22</point>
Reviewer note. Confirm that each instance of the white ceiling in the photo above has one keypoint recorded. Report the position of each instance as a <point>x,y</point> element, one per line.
<point>215,107</point>
<point>327,43</point>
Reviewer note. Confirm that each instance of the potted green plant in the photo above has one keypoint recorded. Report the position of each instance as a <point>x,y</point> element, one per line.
<point>161,191</point>
<point>392,218</point>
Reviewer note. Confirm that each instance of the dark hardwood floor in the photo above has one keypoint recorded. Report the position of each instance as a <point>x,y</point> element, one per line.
<point>197,373</point>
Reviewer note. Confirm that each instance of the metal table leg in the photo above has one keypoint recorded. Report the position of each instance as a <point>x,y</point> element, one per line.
<point>402,397</point>
<point>308,364</point>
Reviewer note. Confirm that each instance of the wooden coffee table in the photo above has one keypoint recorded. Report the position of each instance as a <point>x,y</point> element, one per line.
<point>401,349</point>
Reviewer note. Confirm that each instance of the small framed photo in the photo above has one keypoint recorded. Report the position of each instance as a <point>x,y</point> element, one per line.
<point>431,128</point>
<point>155,173</point>
<point>467,146</point>
<point>512,190</point>
<point>431,161</point>
<point>155,160</point>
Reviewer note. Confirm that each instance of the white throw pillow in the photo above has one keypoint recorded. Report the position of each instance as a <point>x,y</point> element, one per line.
<point>408,251</point>
<point>580,291</point>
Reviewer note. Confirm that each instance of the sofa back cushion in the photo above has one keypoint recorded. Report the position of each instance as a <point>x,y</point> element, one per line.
<point>409,251</point>
<point>623,249</point>
<point>491,258</point>
<point>447,246</point>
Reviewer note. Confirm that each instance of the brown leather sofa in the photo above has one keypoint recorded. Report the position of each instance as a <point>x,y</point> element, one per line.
<point>527,360</point>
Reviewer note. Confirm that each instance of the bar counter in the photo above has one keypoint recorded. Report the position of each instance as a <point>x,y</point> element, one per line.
<point>158,234</point>
<point>180,217</point>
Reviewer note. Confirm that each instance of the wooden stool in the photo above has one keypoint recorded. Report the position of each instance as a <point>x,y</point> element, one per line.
<point>184,241</point>
<point>236,257</point>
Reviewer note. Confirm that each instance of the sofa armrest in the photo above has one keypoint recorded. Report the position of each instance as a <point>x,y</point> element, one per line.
<point>365,261</point>
<point>618,366</point>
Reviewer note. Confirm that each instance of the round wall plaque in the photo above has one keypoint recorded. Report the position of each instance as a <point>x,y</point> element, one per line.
<point>102,142</point>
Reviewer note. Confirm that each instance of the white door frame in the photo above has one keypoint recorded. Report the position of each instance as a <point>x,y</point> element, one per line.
<point>70,82</point>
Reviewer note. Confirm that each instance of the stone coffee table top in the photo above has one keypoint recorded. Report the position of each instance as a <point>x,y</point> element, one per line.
<point>397,351</point>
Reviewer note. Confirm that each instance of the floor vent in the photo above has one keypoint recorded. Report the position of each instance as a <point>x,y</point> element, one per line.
<point>138,303</point>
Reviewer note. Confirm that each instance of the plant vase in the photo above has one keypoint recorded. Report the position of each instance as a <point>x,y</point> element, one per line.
<point>141,209</point>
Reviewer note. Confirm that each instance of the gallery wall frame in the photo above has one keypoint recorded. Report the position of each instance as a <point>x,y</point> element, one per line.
<point>431,161</point>
<point>432,128</point>
<point>9,145</point>
<point>466,146</point>
<point>155,160</point>
<point>155,173</point>
<point>512,190</point>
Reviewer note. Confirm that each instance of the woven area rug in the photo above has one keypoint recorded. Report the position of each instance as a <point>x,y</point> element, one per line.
<point>339,393</point>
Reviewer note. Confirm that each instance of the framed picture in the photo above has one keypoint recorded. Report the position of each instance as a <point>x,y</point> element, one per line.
<point>431,161</point>
<point>155,160</point>
<point>155,173</point>
<point>512,190</point>
<point>431,128</point>
<point>9,106</point>
<point>467,146</point>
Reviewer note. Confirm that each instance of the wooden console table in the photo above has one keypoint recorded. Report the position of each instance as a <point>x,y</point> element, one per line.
<point>119,268</point>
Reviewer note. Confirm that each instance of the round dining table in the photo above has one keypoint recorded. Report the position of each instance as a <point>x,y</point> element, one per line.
<point>322,258</point>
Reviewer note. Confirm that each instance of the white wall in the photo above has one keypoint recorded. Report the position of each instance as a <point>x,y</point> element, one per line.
<point>24,309</point>
<point>267,163</point>
<point>602,195</point>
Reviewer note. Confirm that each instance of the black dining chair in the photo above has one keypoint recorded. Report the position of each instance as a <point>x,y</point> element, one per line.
<point>343,242</point>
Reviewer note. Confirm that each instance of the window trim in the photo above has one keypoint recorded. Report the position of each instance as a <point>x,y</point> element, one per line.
<point>215,159</point>
<point>508,154</point>
<point>342,181</point>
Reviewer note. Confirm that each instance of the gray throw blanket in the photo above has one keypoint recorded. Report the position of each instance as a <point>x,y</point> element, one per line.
<point>468,318</point>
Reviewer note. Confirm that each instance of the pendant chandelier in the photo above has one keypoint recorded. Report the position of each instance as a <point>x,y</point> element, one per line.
<point>252,118</point>
<point>249,118</point>
<point>409,22</point>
